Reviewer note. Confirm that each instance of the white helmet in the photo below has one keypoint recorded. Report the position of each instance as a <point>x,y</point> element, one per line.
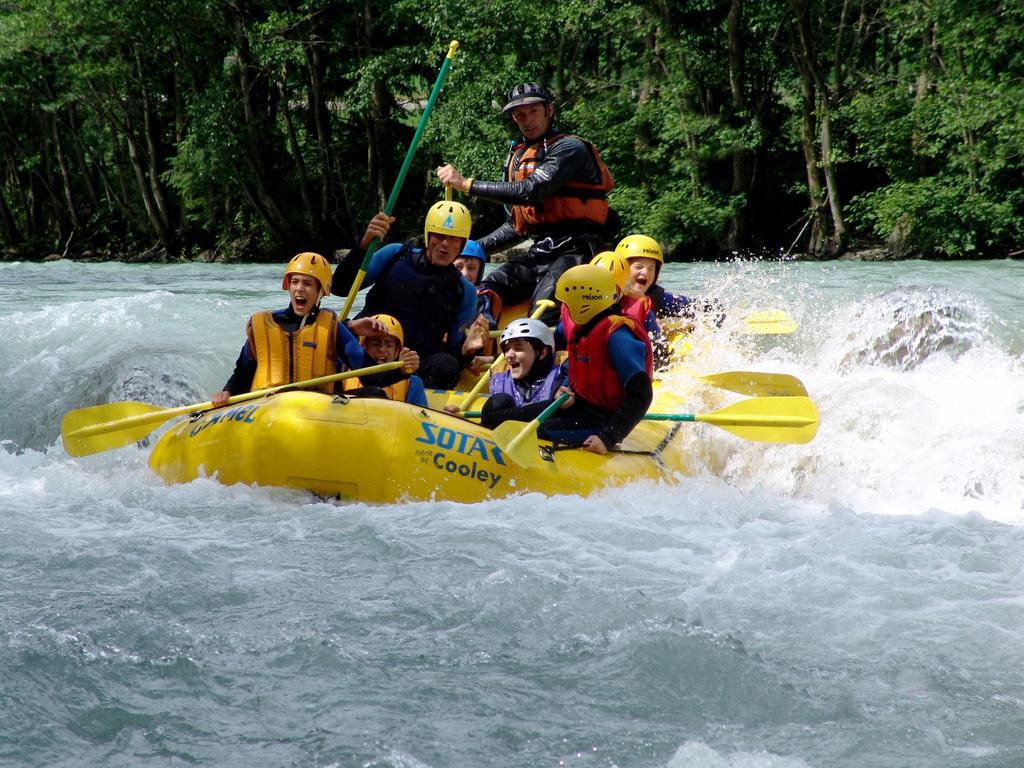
<point>527,328</point>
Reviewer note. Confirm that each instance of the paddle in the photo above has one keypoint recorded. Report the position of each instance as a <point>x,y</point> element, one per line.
<point>462,403</point>
<point>756,383</point>
<point>518,441</point>
<point>762,419</point>
<point>390,206</point>
<point>112,425</point>
<point>769,321</point>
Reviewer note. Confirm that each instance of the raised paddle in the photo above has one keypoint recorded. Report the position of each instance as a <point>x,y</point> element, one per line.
<point>756,383</point>
<point>390,205</point>
<point>463,402</point>
<point>112,425</point>
<point>518,440</point>
<point>769,321</point>
<point>762,419</point>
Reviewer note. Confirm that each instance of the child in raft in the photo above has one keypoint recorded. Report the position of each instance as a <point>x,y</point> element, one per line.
<point>531,377</point>
<point>302,341</point>
<point>609,366</point>
<point>645,260</point>
<point>386,348</point>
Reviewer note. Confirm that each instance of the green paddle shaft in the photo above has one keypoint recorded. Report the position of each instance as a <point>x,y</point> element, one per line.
<point>390,206</point>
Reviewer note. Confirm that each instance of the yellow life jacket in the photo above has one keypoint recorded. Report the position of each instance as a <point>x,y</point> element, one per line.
<point>283,358</point>
<point>397,391</point>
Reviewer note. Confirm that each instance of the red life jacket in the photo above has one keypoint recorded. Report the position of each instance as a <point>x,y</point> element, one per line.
<point>636,309</point>
<point>592,377</point>
<point>575,201</point>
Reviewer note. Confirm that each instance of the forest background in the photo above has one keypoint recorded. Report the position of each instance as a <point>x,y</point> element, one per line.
<point>252,129</point>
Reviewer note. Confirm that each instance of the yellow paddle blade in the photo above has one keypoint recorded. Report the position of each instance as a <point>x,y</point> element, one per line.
<point>769,321</point>
<point>75,425</point>
<point>757,384</point>
<point>112,425</point>
<point>767,419</point>
<point>518,441</point>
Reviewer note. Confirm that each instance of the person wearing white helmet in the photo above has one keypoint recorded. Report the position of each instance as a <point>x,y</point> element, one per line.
<point>555,189</point>
<point>420,287</point>
<point>302,341</point>
<point>531,374</point>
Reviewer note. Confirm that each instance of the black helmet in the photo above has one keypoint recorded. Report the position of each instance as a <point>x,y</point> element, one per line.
<point>527,93</point>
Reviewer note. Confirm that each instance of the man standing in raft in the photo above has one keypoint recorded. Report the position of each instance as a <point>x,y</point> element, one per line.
<point>303,341</point>
<point>555,187</point>
<point>420,287</point>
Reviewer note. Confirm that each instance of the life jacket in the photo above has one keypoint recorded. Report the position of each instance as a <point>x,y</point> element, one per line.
<point>636,309</point>
<point>282,357</point>
<point>541,389</point>
<point>576,201</point>
<point>592,376</point>
<point>423,298</point>
<point>397,391</point>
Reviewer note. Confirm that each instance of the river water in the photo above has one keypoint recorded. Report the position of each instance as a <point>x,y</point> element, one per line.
<point>854,602</point>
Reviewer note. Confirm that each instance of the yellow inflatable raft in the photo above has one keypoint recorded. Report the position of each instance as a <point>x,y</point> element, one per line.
<point>378,450</point>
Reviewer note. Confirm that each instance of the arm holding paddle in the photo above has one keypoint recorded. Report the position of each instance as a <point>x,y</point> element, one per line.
<point>356,261</point>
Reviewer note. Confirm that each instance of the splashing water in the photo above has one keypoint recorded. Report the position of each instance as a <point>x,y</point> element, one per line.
<point>850,602</point>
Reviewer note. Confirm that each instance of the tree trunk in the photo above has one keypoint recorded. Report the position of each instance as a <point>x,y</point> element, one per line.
<point>328,208</point>
<point>253,95</point>
<point>819,228</point>
<point>300,165</point>
<point>156,221</point>
<point>11,233</point>
<point>740,181</point>
<point>835,206</point>
<point>162,205</point>
<point>65,175</point>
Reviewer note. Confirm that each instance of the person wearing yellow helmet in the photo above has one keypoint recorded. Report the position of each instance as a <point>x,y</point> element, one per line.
<point>609,365</point>
<point>555,189</point>
<point>645,259</point>
<point>302,341</point>
<point>636,307</point>
<point>386,348</point>
<point>418,284</point>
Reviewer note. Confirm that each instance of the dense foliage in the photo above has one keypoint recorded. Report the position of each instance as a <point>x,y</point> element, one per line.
<point>258,127</point>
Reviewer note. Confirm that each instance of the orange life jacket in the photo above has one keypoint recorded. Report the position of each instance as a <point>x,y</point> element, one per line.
<point>282,357</point>
<point>575,201</point>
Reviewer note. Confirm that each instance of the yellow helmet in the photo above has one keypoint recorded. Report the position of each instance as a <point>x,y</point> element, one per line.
<point>586,291</point>
<point>615,264</point>
<point>447,218</point>
<point>640,247</point>
<point>312,264</point>
<point>391,326</point>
